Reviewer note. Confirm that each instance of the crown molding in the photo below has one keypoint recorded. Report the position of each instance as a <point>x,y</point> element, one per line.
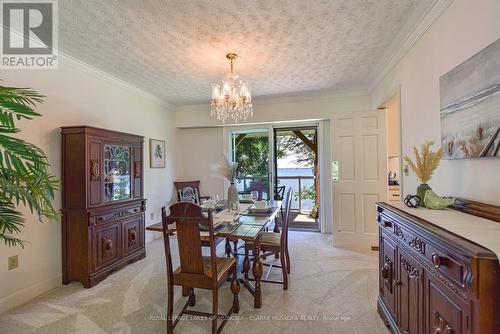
<point>101,74</point>
<point>405,42</point>
<point>112,79</point>
<point>287,98</point>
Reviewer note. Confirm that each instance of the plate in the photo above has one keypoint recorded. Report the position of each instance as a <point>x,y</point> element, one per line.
<point>262,210</point>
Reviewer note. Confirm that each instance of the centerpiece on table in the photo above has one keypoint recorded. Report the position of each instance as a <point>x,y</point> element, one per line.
<point>426,162</point>
<point>230,169</point>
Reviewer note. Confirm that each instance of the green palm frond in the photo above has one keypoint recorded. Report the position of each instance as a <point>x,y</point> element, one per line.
<point>11,222</point>
<point>24,169</point>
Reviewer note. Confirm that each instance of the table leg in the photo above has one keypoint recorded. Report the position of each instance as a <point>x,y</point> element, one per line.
<point>246,265</point>
<point>257,274</point>
<point>228,248</point>
<point>276,227</point>
<point>235,247</point>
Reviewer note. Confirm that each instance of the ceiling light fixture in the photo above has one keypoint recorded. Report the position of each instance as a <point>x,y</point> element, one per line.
<point>233,98</point>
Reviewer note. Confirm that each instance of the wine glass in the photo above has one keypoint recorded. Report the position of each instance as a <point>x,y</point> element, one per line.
<point>234,208</point>
<point>255,195</point>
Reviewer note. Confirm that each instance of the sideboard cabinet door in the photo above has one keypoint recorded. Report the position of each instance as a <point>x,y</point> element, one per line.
<point>446,313</point>
<point>107,245</point>
<point>410,295</point>
<point>387,273</point>
<point>133,236</point>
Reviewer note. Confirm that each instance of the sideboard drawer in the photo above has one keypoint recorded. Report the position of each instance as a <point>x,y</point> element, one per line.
<point>116,214</point>
<point>448,264</point>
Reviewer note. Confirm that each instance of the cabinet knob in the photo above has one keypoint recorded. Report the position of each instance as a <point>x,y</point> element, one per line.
<point>441,326</point>
<point>436,260</point>
<point>396,282</point>
<point>386,271</point>
<point>108,244</point>
<point>387,223</point>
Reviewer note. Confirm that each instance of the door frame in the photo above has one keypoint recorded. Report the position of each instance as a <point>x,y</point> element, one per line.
<point>403,170</point>
<point>324,160</point>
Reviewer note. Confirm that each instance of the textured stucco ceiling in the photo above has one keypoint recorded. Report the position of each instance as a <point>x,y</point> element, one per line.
<point>176,49</point>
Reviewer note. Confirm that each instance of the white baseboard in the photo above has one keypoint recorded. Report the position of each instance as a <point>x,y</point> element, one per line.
<point>27,294</point>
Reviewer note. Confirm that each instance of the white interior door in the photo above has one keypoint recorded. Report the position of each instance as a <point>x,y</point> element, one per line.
<point>359,145</point>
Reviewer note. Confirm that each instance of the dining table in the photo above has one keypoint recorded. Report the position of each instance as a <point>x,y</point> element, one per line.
<point>246,224</point>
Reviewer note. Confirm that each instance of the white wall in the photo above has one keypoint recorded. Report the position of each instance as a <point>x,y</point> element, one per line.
<point>464,29</point>
<point>77,96</point>
<point>200,159</point>
<point>278,110</point>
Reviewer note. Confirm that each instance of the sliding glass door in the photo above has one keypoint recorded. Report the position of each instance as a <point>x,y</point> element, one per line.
<point>250,148</point>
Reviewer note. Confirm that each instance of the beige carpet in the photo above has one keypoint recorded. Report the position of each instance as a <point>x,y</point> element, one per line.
<point>331,291</point>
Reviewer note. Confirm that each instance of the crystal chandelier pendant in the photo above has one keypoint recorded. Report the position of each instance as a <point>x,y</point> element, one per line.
<point>232,98</point>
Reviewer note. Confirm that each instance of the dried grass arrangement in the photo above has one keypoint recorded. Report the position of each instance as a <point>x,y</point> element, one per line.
<point>426,161</point>
<point>229,169</point>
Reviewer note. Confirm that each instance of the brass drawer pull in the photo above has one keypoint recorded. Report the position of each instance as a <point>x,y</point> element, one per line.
<point>436,260</point>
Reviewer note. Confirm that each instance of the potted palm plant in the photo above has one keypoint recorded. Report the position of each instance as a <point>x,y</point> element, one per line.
<point>24,169</point>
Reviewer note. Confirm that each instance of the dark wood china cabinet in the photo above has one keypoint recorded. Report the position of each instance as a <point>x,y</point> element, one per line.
<point>103,203</point>
<point>432,281</point>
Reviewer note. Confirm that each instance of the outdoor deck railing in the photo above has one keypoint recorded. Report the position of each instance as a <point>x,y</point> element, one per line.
<point>243,184</point>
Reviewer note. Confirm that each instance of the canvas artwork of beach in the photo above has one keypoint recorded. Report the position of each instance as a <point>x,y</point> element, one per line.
<point>470,107</point>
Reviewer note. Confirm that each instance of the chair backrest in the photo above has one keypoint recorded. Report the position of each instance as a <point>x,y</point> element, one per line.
<point>188,191</point>
<point>279,193</point>
<point>259,186</point>
<point>187,218</point>
<point>287,204</point>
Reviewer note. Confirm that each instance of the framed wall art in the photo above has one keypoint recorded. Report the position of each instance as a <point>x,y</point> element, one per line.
<point>157,153</point>
<point>470,107</point>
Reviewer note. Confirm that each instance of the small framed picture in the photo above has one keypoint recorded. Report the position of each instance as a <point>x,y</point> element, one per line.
<point>157,153</point>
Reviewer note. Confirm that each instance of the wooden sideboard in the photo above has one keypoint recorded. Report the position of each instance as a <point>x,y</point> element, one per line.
<point>432,281</point>
<point>103,204</point>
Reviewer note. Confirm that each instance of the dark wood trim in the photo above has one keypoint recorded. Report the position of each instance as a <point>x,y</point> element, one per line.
<point>92,130</point>
<point>478,209</point>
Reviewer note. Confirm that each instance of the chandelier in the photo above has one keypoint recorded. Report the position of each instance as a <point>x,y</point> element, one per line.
<point>231,99</point>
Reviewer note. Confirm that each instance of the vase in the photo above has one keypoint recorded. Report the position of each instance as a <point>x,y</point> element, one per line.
<point>232,198</point>
<point>422,188</point>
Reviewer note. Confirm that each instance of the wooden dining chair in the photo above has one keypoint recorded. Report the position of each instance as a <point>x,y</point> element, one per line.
<point>276,243</point>
<point>196,271</point>
<point>189,191</point>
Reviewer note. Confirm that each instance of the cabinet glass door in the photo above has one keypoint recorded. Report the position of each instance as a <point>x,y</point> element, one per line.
<point>117,180</point>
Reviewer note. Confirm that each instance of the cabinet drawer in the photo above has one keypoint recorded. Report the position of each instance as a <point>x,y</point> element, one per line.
<point>116,214</point>
<point>448,264</point>
<point>133,236</point>
<point>106,245</point>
